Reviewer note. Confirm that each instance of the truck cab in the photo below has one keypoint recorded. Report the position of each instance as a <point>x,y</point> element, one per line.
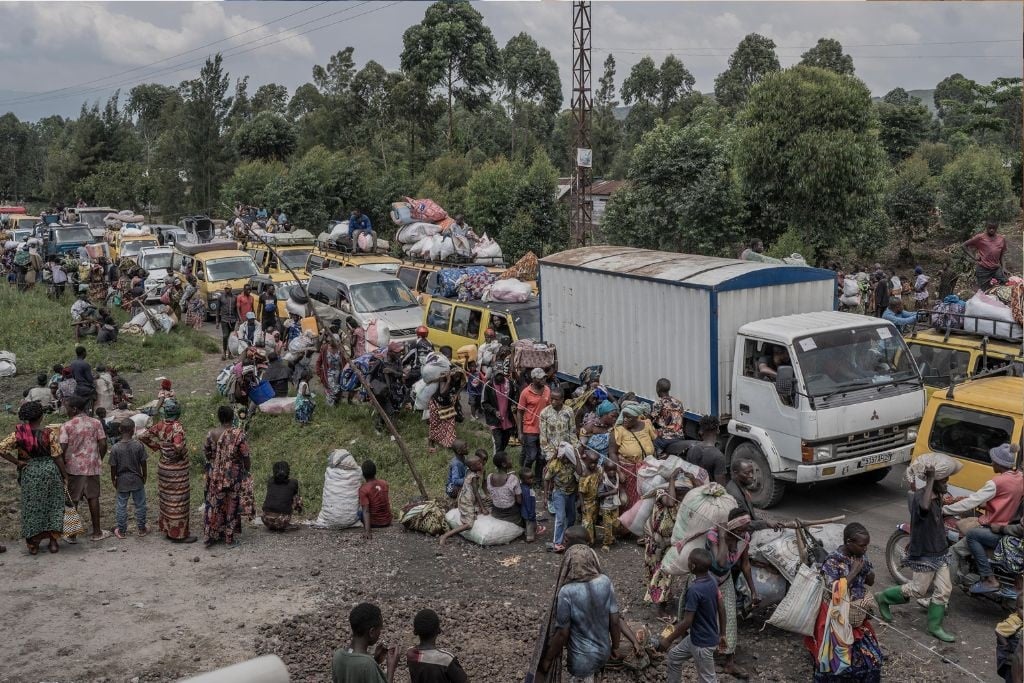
<point>338,293</point>
<point>156,261</point>
<point>968,419</point>
<point>215,266</point>
<point>822,396</point>
<point>66,239</point>
<point>128,245</point>
<point>94,217</point>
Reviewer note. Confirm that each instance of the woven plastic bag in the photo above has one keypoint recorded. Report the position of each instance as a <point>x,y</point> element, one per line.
<point>799,609</point>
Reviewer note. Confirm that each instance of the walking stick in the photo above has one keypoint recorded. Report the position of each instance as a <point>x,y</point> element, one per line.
<point>385,418</point>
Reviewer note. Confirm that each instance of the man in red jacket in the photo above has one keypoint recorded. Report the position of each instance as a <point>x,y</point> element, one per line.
<point>1001,496</point>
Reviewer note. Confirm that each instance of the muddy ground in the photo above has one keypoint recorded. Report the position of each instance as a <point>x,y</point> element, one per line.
<point>148,610</point>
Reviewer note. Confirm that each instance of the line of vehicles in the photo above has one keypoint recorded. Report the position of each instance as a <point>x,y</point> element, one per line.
<point>807,393</point>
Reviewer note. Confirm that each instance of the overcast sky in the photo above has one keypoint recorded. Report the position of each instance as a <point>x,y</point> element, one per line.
<point>84,50</point>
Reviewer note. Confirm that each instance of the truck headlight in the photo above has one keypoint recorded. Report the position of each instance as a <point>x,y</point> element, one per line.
<point>822,452</point>
<point>911,435</point>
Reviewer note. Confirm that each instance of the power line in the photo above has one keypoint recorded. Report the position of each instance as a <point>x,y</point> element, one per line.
<point>233,52</point>
<point>180,54</point>
<point>727,54</point>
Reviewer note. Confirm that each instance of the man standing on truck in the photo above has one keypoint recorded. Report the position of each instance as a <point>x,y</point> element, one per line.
<point>1001,496</point>
<point>989,251</point>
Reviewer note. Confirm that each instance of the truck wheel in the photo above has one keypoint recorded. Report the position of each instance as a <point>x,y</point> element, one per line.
<point>766,491</point>
<point>874,476</point>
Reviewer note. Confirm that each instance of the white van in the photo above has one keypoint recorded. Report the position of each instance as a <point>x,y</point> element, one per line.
<point>337,293</point>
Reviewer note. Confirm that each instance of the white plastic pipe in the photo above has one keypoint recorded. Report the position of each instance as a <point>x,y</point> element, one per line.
<point>266,669</point>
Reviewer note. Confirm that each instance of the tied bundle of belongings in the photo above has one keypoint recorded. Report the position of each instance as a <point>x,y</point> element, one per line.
<point>702,508</point>
<point>989,316</point>
<point>425,210</point>
<point>474,287</point>
<point>1012,295</point>
<point>652,477</point>
<point>414,232</point>
<point>448,279</point>
<point>527,353</point>
<point>944,465</point>
<point>426,518</point>
<point>486,530</point>
<point>487,250</point>
<point>342,480</point>
<point>949,313</point>
<point>525,268</point>
<point>510,291</point>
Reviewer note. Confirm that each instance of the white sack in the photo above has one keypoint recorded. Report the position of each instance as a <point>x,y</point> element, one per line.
<point>486,530</point>
<point>341,491</point>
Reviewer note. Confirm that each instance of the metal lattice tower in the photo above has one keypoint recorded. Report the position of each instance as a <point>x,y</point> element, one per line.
<point>580,225</point>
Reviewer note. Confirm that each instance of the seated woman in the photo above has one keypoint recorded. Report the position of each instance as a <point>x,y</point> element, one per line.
<point>282,499</point>
<point>505,491</point>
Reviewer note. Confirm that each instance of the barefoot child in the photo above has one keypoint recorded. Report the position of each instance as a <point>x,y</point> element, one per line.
<point>472,500</point>
<point>427,662</point>
<point>128,475</point>
<point>456,471</point>
<point>355,664</point>
<point>702,627</point>
<point>528,505</point>
<point>305,403</point>
<point>282,499</point>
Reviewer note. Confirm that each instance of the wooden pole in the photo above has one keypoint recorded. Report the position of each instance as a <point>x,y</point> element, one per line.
<point>385,418</point>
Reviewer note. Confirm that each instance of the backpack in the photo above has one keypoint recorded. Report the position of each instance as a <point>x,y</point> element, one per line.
<point>1010,554</point>
<point>22,258</point>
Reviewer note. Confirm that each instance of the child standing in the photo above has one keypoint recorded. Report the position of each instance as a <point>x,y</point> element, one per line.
<point>457,471</point>
<point>472,500</point>
<point>427,662</point>
<point>282,499</point>
<point>474,388</point>
<point>128,475</point>
<point>590,482</point>
<point>304,401</point>
<point>355,664</point>
<point>560,480</point>
<point>374,503</point>
<point>702,627</point>
<point>609,499</point>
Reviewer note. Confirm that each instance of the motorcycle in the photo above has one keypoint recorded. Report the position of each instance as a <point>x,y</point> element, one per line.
<point>963,570</point>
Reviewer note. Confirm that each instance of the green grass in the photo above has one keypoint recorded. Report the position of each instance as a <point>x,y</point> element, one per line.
<point>38,331</point>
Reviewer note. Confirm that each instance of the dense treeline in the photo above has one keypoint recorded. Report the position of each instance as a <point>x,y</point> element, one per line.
<point>801,157</point>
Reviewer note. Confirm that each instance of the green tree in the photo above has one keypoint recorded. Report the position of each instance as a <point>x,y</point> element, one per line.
<point>253,182</point>
<point>372,87</point>
<point>675,85</point>
<point>528,72</point>
<point>643,83</point>
<point>267,136</point>
<point>305,101</point>
<point>953,90</point>
<point>910,199</point>
<point>205,114</point>
<point>973,188</point>
<point>605,95</point>
<point>753,60</point>
<point>828,54</point>
<point>903,123</point>
<point>808,156</point>
<point>17,173</point>
<point>537,225</point>
<point>935,154</point>
<point>117,183</point>
<point>680,195</point>
<point>492,196</point>
<point>334,79</point>
<point>270,97</point>
<point>453,48</point>
<point>605,128</point>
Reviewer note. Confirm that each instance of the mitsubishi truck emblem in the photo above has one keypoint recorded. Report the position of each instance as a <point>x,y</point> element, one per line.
<point>874,414</point>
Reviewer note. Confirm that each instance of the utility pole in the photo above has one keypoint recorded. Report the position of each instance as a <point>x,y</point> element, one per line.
<point>580,226</point>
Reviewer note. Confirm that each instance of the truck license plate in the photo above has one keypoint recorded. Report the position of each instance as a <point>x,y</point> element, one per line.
<point>873,462</point>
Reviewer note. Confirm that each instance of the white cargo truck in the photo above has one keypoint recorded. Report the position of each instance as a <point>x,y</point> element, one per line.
<point>806,393</point>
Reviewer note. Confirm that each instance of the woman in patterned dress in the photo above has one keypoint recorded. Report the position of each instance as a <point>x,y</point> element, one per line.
<point>328,368</point>
<point>37,455</point>
<point>229,494</point>
<point>167,437</point>
<point>658,539</point>
<point>193,304</point>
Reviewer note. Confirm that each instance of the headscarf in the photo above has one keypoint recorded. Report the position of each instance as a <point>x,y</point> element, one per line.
<point>579,564</point>
<point>171,409</point>
<point>591,374</point>
<point>605,407</point>
<point>630,409</point>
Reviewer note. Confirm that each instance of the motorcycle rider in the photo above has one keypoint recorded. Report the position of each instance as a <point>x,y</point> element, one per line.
<point>926,553</point>
<point>1001,496</point>
<point>416,356</point>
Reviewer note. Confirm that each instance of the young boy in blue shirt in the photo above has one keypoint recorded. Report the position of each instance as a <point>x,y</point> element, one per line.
<point>702,627</point>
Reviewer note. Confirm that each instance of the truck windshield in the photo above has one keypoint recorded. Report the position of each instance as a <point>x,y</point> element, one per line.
<point>389,295</point>
<point>94,219</point>
<point>132,247</point>
<point>231,269</point>
<point>156,261</point>
<point>72,236</point>
<point>296,258</point>
<point>851,359</point>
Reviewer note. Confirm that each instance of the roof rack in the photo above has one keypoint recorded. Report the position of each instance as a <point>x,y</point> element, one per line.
<point>193,249</point>
<point>971,326</point>
<point>456,261</point>
<point>302,238</point>
<point>344,246</point>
